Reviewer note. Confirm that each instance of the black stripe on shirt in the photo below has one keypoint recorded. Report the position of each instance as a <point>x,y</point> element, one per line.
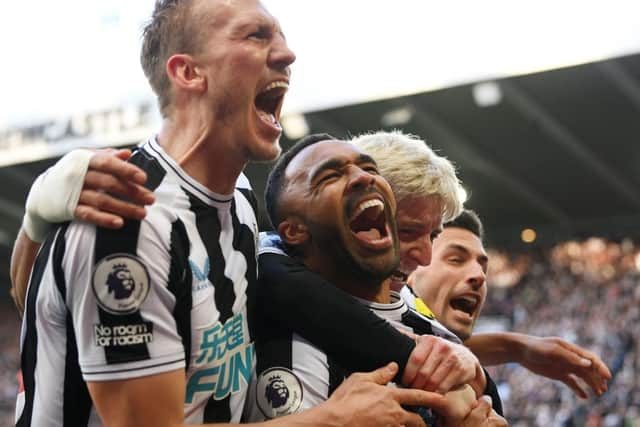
<point>76,406</point>
<point>28,356</point>
<point>108,242</point>
<point>419,325</point>
<point>155,172</point>
<point>244,241</point>
<point>77,400</point>
<point>179,284</point>
<point>209,228</point>
<point>125,240</point>
<point>337,375</point>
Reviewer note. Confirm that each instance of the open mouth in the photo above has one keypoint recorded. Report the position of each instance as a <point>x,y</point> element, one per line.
<point>269,103</point>
<point>369,223</point>
<point>467,304</point>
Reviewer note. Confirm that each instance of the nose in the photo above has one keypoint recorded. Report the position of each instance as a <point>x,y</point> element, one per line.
<point>281,56</point>
<point>420,252</point>
<point>359,178</point>
<point>477,277</point>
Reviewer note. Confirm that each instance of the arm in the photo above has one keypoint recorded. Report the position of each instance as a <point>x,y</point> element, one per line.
<point>362,400</point>
<point>551,357</point>
<point>71,188</point>
<point>287,291</point>
<point>23,256</point>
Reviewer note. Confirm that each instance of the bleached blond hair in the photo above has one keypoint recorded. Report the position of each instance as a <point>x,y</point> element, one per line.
<point>413,169</point>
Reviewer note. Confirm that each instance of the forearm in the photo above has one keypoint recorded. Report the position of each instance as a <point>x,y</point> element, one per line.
<point>496,348</point>
<point>24,254</point>
<point>328,317</point>
<point>324,415</point>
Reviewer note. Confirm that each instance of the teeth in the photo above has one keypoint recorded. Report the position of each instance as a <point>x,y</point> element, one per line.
<point>277,84</point>
<point>469,299</point>
<point>366,205</point>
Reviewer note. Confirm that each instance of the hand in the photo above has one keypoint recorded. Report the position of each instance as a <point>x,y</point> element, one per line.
<point>482,416</point>
<point>558,359</point>
<point>440,365</point>
<point>460,403</point>
<point>364,400</point>
<point>110,179</point>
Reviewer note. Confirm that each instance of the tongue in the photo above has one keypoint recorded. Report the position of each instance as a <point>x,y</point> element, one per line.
<point>268,117</point>
<point>372,234</point>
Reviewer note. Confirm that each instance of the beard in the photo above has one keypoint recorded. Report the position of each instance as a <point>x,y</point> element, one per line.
<point>341,253</point>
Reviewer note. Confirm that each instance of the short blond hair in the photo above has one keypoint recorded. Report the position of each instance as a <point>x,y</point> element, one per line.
<point>413,169</point>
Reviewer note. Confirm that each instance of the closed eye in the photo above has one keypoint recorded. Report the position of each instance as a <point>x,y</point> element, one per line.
<point>328,176</point>
<point>261,34</point>
<point>371,169</point>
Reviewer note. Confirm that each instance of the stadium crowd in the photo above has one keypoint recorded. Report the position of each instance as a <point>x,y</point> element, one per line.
<point>585,292</point>
<point>9,361</point>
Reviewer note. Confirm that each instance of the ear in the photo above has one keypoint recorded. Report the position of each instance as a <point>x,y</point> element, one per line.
<point>183,72</point>
<point>293,231</point>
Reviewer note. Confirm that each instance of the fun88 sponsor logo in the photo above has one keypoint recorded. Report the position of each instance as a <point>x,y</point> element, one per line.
<point>224,362</point>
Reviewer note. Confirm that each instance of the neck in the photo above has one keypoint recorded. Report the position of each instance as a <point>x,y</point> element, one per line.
<point>357,284</point>
<point>380,294</point>
<point>203,150</point>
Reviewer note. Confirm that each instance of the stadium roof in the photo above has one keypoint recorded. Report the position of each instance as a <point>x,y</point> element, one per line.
<point>556,151</point>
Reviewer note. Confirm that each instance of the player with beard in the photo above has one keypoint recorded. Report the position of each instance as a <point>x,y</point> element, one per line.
<point>336,215</point>
<point>398,155</point>
<point>166,348</point>
<point>426,188</point>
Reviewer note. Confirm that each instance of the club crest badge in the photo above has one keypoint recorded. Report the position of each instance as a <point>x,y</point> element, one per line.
<point>120,283</point>
<point>279,392</point>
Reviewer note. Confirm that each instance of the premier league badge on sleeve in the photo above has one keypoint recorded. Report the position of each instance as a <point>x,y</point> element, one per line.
<point>120,283</point>
<point>279,392</point>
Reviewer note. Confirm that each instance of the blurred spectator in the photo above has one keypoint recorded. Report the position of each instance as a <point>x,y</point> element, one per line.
<point>585,292</point>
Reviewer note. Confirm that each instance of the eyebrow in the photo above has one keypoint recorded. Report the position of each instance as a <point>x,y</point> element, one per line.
<point>484,259</point>
<point>337,164</point>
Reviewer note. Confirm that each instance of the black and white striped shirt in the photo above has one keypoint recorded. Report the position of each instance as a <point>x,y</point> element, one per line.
<point>293,374</point>
<point>165,293</point>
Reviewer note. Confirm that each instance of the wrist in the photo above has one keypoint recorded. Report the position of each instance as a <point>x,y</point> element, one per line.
<point>34,228</point>
<point>327,414</point>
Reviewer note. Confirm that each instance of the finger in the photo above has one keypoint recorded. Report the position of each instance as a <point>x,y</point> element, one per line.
<point>601,368</point>
<point>379,376</point>
<point>573,384</point>
<point>101,219</point>
<point>109,204</point>
<point>424,380</point>
<point>593,360</point>
<point>417,359</point>
<point>448,382</point>
<point>593,379</point>
<point>573,354</point>
<point>411,419</point>
<point>135,193</point>
<point>122,153</point>
<point>413,397</point>
<point>444,378</point>
<point>114,165</point>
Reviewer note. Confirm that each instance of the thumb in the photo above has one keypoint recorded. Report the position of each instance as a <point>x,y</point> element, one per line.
<point>123,154</point>
<point>382,375</point>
